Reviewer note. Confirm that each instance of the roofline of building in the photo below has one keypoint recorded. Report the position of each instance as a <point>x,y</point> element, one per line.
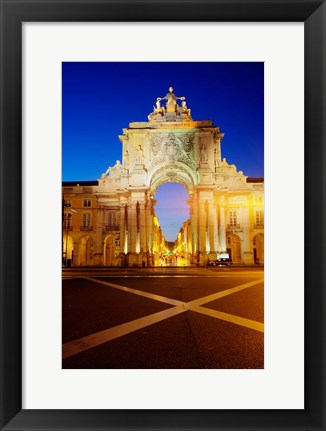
<point>79,183</point>
<point>95,183</point>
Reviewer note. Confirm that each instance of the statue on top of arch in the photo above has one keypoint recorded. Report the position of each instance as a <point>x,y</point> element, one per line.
<point>171,111</point>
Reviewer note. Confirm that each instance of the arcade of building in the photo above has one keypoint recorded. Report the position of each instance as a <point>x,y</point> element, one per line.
<point>112,221</point>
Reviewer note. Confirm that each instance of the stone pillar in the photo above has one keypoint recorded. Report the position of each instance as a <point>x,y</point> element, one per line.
<point>216,235</point>
<point>194,226</point>
<point>122,228</point>
<point>212,227</point>
<point>137,245</point>
<point>142,228</point>
<point>149,230</point>
<point>247,252</point>
<point>75,255</point>
<point>132,229</point>
<point>202,220</point>
<point>222,226</point>
<point>123,235</point>
<point>126,241</point>
<point>99,240</point>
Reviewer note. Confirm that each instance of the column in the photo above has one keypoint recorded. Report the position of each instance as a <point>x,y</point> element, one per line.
<point>132,227</point>
<point>222,225</point>
<point>137,246</point>
<point>122,229</point>
<point>75,255</point>
<point>212,226</point>
<point>98,246</point>
<point>247,252</point>
<point>202,232</point>
<point>142,227</point>
<point>149,231</point>
<point>149,226</point>
<point>194,225</point>
<point>126,230</point>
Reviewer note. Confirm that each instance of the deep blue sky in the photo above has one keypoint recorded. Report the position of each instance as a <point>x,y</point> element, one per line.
<point>99,99</point>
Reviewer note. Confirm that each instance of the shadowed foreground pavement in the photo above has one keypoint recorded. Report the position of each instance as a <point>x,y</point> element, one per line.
<point>173,318</point>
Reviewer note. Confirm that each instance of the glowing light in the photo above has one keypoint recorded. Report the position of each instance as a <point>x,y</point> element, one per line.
<point>126,243</point>
<point>138,243</point>
<point>208,247</point>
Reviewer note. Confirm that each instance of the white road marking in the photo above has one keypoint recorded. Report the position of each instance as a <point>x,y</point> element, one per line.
<point>74,347</point>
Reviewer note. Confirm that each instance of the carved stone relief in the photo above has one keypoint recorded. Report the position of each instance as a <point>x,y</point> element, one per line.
<point>170,147</point>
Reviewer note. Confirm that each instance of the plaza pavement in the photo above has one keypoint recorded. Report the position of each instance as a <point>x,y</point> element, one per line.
<point>163,318</point>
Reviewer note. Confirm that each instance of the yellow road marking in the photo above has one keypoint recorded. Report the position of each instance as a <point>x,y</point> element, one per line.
<point>218,295</point>
<point>252,324</point>
<point>138,292</point>
<point>85,343</point>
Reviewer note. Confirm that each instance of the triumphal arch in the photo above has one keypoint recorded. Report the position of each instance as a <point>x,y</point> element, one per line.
<point>226,207</point>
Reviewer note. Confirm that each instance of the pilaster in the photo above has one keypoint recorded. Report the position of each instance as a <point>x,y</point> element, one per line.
<point>247,257</point>
<point>99,240</point>
<point>222,225</point>
<point>75,261</point>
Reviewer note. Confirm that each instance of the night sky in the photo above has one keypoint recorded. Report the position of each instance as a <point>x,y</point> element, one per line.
<point>99,99</point>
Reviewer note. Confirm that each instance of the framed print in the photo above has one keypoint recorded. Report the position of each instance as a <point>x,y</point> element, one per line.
<point>53,53</point>
<point>170,172</point>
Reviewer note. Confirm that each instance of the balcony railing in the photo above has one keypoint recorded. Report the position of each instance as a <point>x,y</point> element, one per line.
<point>111,228</point>
<point>86,228</point>
<point>66,228</point>
<point>233,226</point>
<point>259,226</point>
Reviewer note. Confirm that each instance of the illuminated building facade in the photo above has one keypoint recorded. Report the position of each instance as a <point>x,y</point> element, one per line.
<point>112,221</point>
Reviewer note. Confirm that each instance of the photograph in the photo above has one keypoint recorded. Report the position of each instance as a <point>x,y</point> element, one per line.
<point>163,215</point>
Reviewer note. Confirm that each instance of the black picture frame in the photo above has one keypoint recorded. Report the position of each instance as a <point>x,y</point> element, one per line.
<point>13,14</point>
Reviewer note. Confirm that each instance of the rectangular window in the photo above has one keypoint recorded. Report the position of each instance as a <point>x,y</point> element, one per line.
<point>260,217</point>
<point>87,203</point>
<point>86,219</point>
<point>112,221</point>
<point>67,222</point>
<point>67,203</point>
<point>233,218</point>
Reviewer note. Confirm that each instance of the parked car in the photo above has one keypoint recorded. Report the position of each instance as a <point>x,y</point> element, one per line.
<point>222,261</point>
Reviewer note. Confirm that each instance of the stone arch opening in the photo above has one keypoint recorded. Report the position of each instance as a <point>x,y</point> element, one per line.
<point>68,250</point>
<point>258,248</point>
<point>234,247</point>
<point>172,173</point>
<point>85,251</point>
<point>173,213</point>
<point>111,250</point>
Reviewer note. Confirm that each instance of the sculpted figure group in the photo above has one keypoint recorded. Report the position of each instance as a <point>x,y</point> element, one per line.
<point>171,106</point>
